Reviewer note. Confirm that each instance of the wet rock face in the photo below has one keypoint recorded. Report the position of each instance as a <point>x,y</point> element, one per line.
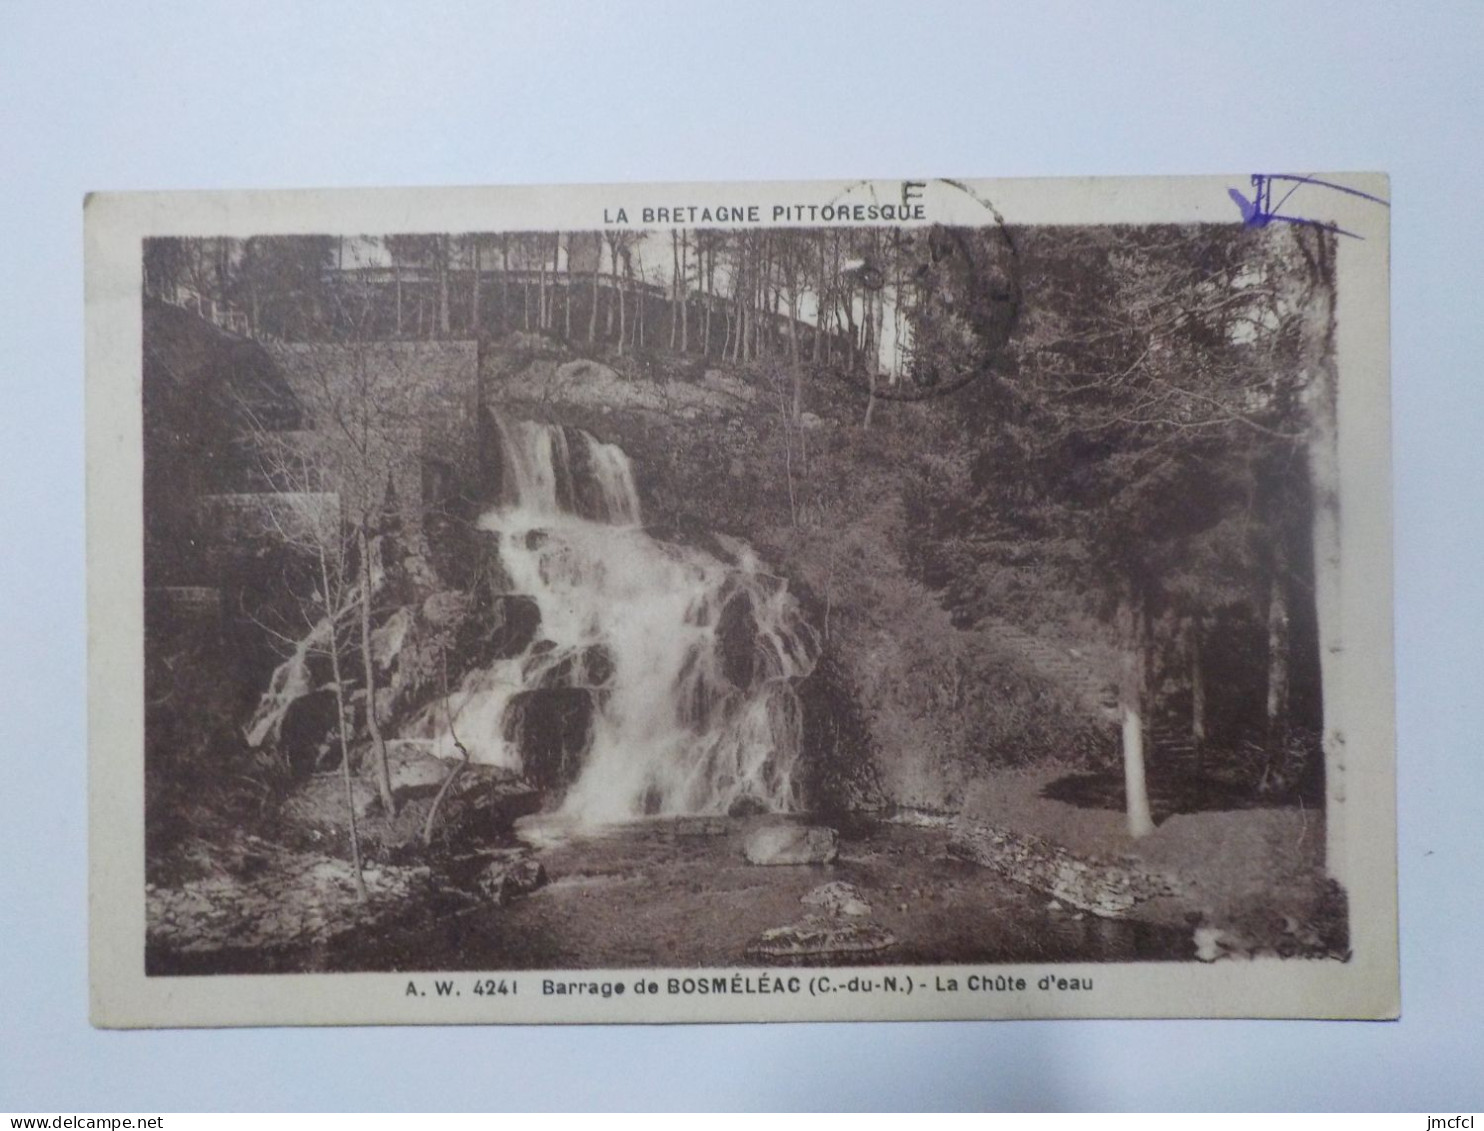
<point>308,732</point>
<point>552,730</point>
<point>747,806</point>
<point>791,844</point>
<point>590,667</point>
<point>842,766</point>
<point>737,631</point>
<point>499,628</point>
<point>516,619</point>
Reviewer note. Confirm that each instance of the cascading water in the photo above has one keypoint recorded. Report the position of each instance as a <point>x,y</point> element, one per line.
<point>660,679</point>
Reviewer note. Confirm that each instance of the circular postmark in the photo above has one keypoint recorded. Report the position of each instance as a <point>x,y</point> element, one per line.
<point>955,292</point>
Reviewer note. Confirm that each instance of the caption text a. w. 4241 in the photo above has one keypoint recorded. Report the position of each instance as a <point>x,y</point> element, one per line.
<point>751,984</point>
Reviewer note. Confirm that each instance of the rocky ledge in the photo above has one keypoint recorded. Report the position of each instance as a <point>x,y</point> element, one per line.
<point>1111,890</point>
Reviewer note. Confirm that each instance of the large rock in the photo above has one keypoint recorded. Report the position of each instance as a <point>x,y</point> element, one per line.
<point>515,619</point>
<point>791,844</point>
<point>552,729</point>
<point>587,667</point>
<point>837,898</point>
<point>498,627</point>
<point>584,371</point>
<point>446,610</point>
<point>488,801</point>
<point>820,938</point>
<point>1109,890</point>
<point>413,767</point>
<point>736,637</point>
<point>505,879</point>
<point>307,735</point>
<point>583,383</point>
<point>721,382</point>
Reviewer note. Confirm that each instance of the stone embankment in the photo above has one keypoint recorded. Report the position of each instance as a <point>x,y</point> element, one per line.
<point>1110,890</point>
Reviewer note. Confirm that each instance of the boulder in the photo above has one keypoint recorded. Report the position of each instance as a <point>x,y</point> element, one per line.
<point>720,382</point>
<point>586,667</point>
<point>388,640</point>
<point>551,728</point>
<point>413,767</point>
<point>747,806</point>
<point>308,732</point>
<point>584,371</point>
<point>837,898</point>
<point>506,879</point>
<point>525,341</point>
<point>447,609</point>
<point>736,638</point>
<point>817,938</point>
<point>500,627</point>
<point>487,801</point>
<point>516,619</point>
<point>317,805</point>
<point>791,844</point>
<point>1105,889</point>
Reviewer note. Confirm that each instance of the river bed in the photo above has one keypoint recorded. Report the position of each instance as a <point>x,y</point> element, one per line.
<point>680,894</point>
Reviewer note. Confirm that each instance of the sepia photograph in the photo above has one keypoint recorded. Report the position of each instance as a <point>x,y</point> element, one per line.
<point>882,597</point>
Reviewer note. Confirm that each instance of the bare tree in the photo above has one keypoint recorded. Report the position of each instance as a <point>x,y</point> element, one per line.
<point>305,521</point>
<point>349,392</point>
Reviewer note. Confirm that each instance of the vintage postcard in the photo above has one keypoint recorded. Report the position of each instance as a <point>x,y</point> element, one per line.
<point>867,600</point>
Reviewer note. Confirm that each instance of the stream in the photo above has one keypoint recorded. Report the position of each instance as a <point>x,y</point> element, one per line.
<point>651,894</point>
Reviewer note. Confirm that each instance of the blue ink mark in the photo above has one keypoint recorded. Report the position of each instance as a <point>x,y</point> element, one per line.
<point>1260,211</point>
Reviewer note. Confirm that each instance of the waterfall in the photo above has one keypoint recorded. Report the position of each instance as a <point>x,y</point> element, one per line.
<point>290,681</point>
<point>659,677</point>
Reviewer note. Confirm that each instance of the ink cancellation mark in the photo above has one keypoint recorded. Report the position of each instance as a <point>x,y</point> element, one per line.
<point>1260,211</point>
<point>975,268</point>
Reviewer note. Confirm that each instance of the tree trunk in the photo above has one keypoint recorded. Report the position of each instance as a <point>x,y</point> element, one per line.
<point>592,315</point>
<point>710,262</point>
<point>378,743</point>
<point>623,307</point>
<point>567,292</point>
<point>850,336</point>
<point>683,284</point>
<point>397,282</point>
<point>350,797</point>
<point>616,284</point>
<point>442,255</point>
<point>674,288</point>
<point>1277,701</point>
<point>1132,693</point>
<point>793,354</point>
<point>816,353</point>
<point>1195,643</point>
<point>639,304</point>
<point>1321,401</point>
<point>540,288</point>
<point>504,283</point>
<point>474,312</point>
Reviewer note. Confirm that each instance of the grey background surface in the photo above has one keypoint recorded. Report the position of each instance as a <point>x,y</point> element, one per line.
<point>216,95</point>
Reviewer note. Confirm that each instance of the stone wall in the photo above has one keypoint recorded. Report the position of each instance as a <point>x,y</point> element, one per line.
<point>378,413</point>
